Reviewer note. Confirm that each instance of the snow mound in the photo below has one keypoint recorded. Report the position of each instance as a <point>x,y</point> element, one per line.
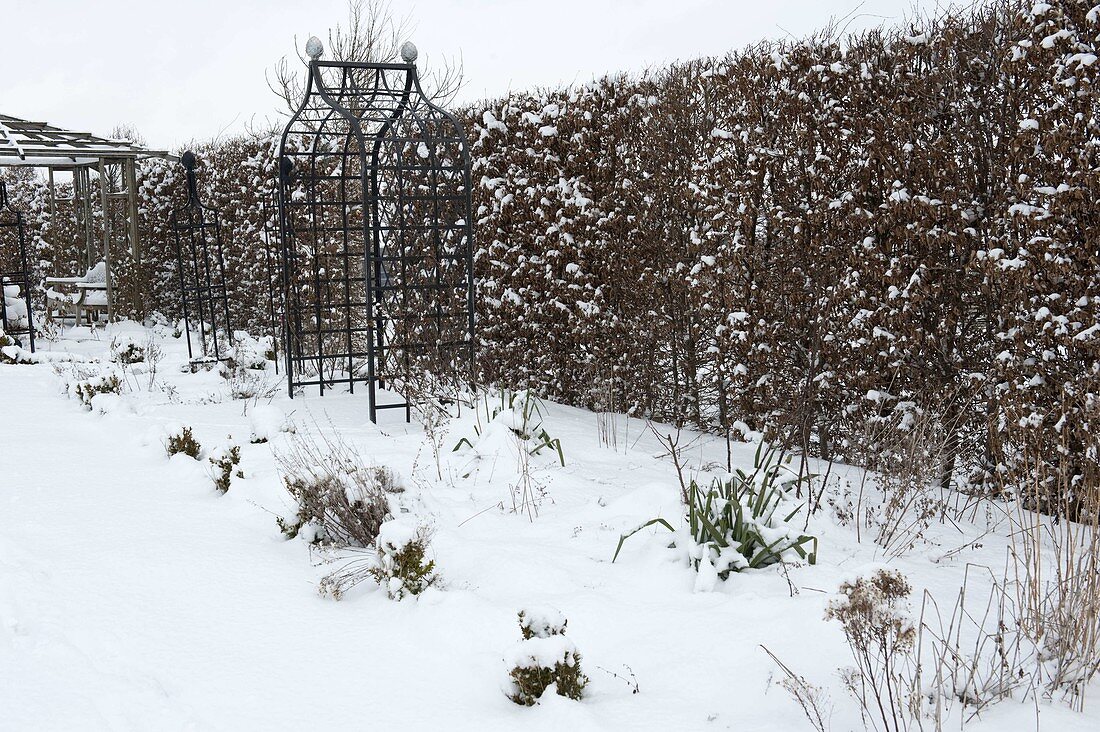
<point>249,352</point>
<point>267,421</point>
<point>542,621</point>
<point>110,403</point>
<point>541,652</point>
<point>395,535</point>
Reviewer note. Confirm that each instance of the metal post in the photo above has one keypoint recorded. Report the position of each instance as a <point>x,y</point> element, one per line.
<point>202,274</point>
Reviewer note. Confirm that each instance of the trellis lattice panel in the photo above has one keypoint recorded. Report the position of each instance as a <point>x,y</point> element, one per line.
<point>374,199</point>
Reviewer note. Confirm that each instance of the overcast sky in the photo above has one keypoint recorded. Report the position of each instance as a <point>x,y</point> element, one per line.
<point>191,69</point>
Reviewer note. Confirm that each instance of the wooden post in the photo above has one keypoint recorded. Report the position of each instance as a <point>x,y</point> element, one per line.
<point>132,209</point>
<point>141,289</point>
<point>89,217</point>
<point>103,202</point>
<point>82,210</point>
<point>53,197</point>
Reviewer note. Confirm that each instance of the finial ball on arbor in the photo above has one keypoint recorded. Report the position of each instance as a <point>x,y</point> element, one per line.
<point>314,48</point>
<point>188,160</point>
<point>408,52</point>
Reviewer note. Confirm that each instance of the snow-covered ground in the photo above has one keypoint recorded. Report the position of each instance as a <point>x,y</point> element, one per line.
<point>134,596</point>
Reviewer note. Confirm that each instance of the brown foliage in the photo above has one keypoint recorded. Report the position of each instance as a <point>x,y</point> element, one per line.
<point>806,237</point>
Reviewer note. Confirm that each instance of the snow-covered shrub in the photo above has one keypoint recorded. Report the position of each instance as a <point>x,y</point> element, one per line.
<point>881,636</point>
<point>10,352</point>
<point>179,439</point>
<point>251,353</point>
<point>387,479</point>
<point>543,658</point>
<point>127,349</point>
<point>340,499</point>
<point>224,460</point>
<point>266,421</point>
<point>402,568</point>
<point>86,389</point>
<point>541,622</point>
<point>80,380</point>
<point>110,403</point>
<point>159,323</point>
<point>247,383</point>
<point>744,522</point>
<point>519,414</point>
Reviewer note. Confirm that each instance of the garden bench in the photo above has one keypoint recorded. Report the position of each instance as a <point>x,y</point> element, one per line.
<point>89,298</point>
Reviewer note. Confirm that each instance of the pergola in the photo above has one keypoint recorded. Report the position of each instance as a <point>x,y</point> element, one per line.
<point>40,145</point>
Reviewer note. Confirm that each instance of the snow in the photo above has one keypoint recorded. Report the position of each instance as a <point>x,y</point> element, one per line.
<point>540,652</point>
<point>134,596</point>
<point>249,352</point>
<point>15,308</point>
<point>266,421</point>
<point>543,621</point>
<point>493,123</point>
<point>109,404</point>
<point>173,429</point>
<point>395,535</point>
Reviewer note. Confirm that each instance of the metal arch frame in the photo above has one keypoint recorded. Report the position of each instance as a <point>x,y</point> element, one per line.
<point>17,273</point>
<point>380,106</point>
<point>200,228</point>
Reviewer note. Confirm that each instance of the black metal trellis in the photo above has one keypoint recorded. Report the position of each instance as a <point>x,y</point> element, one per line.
<point>376,232</point>
<point>15,271</point>
<point>201,271</point>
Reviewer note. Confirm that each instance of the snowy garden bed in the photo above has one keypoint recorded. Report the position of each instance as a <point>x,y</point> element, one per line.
<point>145,590</point>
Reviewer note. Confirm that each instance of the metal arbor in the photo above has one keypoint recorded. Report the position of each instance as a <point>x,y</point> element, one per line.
<point>16,317</point>
<point>201,269</point>
<point>376,235</point>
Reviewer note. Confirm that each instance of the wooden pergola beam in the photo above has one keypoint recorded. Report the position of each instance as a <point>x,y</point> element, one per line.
<point>25,140</point>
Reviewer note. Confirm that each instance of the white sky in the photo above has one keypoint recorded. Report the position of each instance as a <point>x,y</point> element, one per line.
<point>188,69</point>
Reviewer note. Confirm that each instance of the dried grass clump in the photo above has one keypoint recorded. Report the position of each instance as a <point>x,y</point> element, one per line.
<point>813,699</point>
<point>1056,564</point>
<point>904,452</point>
<point>246,382</point>
<point>341,500</point>
<point>881,636</point>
